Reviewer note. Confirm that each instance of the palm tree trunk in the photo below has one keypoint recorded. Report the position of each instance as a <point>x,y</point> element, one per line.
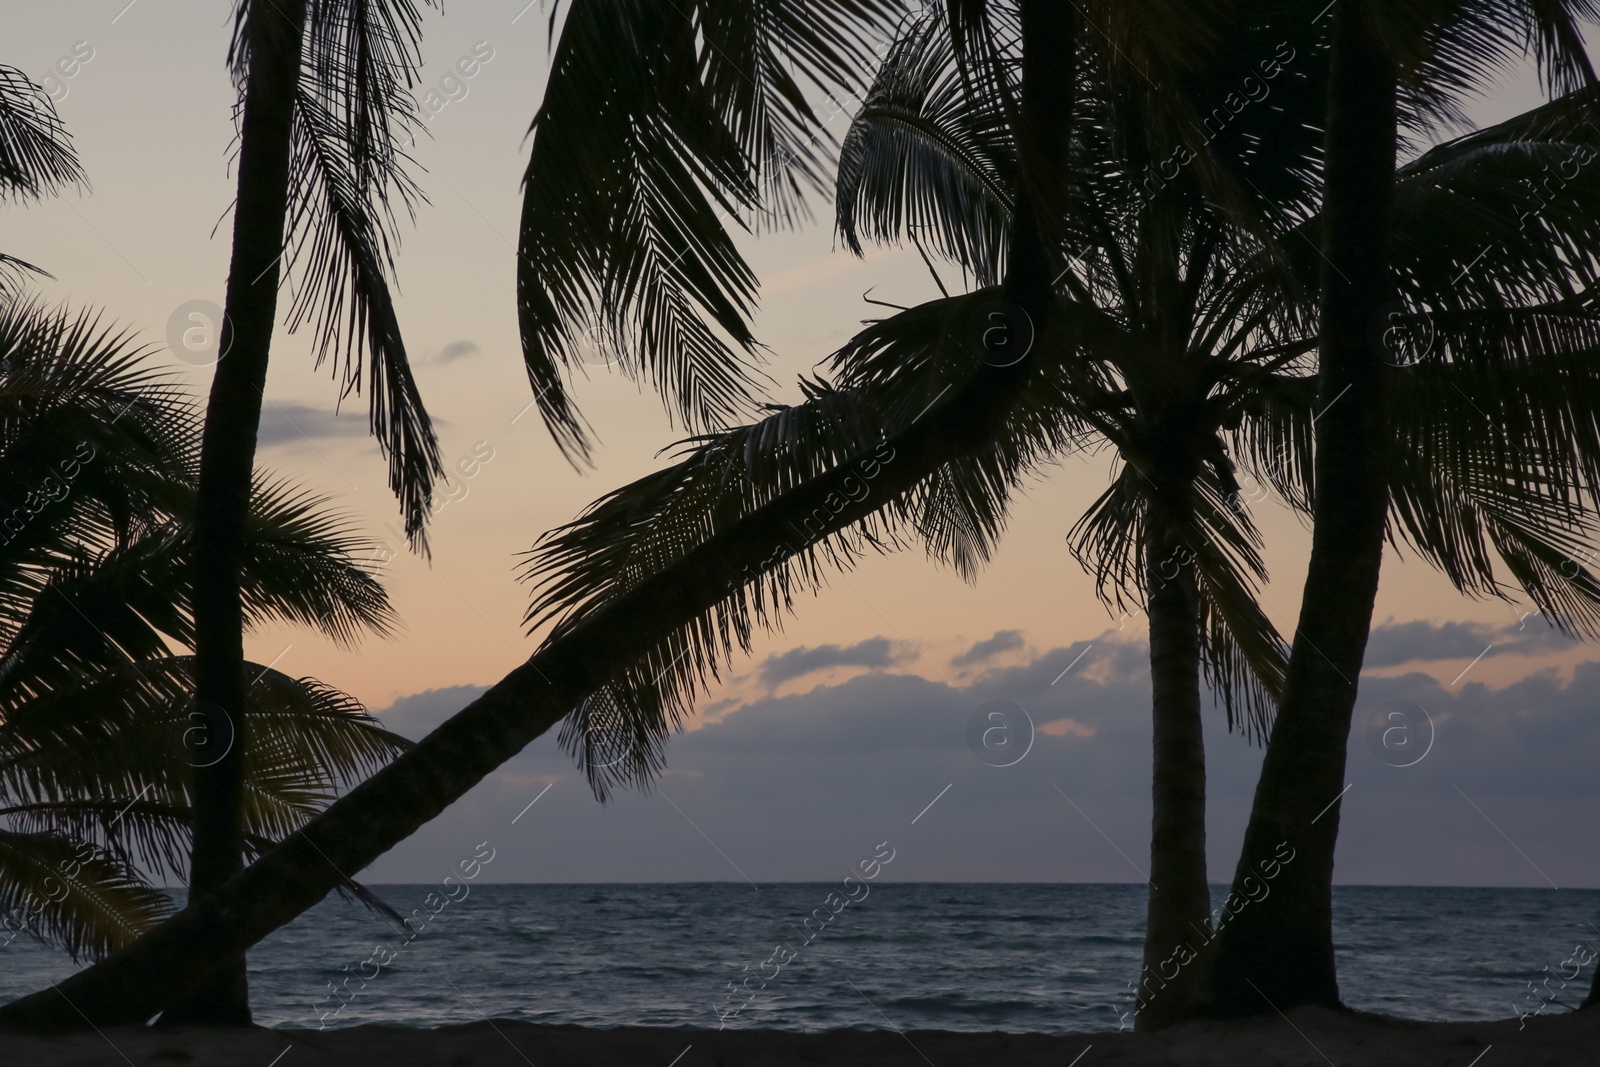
<point>1177,923</point>
<point>227,463</point>
<point>183,953</point>
<point>1278,951</point>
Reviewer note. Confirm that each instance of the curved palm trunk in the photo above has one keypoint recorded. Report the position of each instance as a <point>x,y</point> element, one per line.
<point>1278,951</point>
<point>1177,923</point>
<point>183,953</point>
<point>227,463</point>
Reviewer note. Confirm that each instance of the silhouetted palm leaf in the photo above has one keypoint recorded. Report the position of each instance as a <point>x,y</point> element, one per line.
<point>354,115</point>
<point>36,154</point>
<point>921,160</point>
<point>59,891</point>
<point>698,115</point>
<point>343,235</point>
<point>36,159</point>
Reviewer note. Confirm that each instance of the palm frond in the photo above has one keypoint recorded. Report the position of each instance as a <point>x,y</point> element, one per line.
<point>922,158</point>
<point>659,123</point>
<point>1505,216</point>
<point>1108,540</point>
<point>61,892</point>
<point>1273,444</point>
<point>1543,558</point>
<point>14,274</point>
<point>1503,468</point>
<point>362,58</point>
<point>354,116</point>
<point>307,740</point>
<point>634,532</point>
<point>92,438</point>
<point>107,759</point>
<point>346,166</point>
<point>36,153</point>
<point>304,564</point>
<point>1448,50</point>
<point>1244,656</point>
<point>95,611</point>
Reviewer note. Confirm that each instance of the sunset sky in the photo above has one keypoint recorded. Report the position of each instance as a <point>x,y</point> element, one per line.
<point>841,727</point>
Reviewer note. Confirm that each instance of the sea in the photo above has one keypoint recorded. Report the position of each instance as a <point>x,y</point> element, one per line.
<point>951,956</point>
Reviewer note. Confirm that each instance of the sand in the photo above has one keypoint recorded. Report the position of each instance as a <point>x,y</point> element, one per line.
<point>1310,1037</point>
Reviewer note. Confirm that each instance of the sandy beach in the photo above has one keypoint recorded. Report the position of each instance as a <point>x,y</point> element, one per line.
<point>1309,1037</point>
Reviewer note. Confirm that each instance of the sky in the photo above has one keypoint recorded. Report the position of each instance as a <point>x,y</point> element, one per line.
<point>842,726</point>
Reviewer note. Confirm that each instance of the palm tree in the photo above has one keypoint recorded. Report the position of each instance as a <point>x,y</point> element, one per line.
<point>96,722</point>
<point>187,950</point>
<point>1417,56</point>
<point>1189,334</point>
<point>325,106</point>
<point>314,737</point>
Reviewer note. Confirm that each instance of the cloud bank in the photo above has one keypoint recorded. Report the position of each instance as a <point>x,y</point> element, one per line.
<point>791,787</point>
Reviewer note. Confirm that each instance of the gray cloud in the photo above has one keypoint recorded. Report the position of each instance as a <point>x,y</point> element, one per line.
<point>457,350</point>
<point>786,786</point>
<point>876,652</point>
<point>793,787</point>
<point>1002,641</point>
<point>284,423</point>
<point>1392,644</point>
<point>413,716</point>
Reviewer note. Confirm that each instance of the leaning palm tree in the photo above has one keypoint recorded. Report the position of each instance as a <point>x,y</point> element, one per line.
<point>1187,331</point>
<point>189,949</point>
<point>325,107</point>
<point>97,452</point>
<point>36,158</point>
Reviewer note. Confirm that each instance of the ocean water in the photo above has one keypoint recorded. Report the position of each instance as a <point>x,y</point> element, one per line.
<point>1025,957</point>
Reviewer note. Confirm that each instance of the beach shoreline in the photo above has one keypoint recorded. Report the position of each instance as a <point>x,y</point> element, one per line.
<point>1309,1036</point>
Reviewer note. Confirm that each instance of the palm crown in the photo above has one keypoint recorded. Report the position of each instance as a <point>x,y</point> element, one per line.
<point>97,464</point>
